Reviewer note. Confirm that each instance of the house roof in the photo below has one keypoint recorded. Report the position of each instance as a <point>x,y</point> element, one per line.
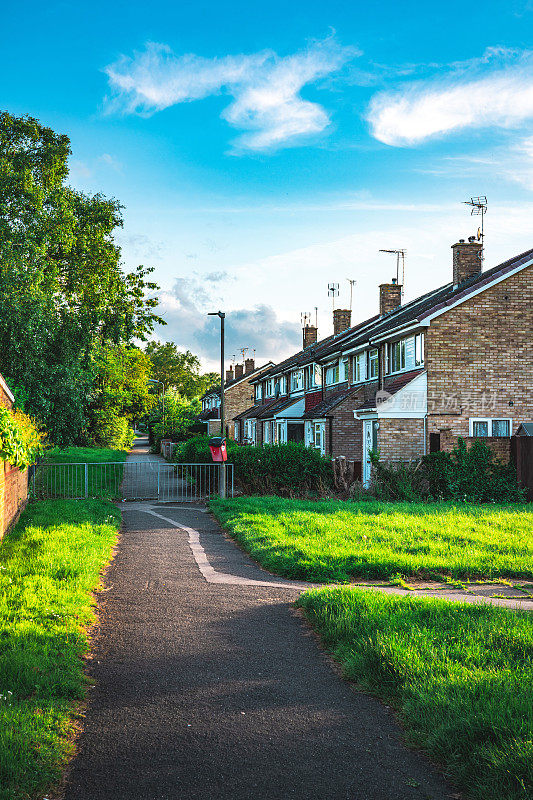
<point>278,405</point>
<point>211,413</point>
<point>329,403</point>
<point>245,376</point>
<point>392,385</point>
<point>411,313</point>
<point>525,429</point>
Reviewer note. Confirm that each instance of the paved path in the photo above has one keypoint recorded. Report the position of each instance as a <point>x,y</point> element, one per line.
<point>150,476</point>
<point>209,688</point>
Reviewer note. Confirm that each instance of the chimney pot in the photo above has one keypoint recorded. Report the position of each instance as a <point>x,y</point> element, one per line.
<point>239,369</point>
<point>310,335</point>
<point>342,320</point>
<point>249,365</point>
<point>466,260</point>
<point>390,297</point>
<point>229,374</point>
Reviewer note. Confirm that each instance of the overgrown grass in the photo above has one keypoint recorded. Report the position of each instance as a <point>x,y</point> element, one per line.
<point>334,541</point>
<point>49,564</point>
<point>460,675</point>
<point>102,479</point>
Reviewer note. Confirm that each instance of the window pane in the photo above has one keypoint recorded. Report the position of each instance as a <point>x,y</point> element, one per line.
<point>480,428</point>
<point>501,427</point>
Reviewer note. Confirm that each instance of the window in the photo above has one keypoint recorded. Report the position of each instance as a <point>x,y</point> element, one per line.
<point>419,349</point>
<point>236,431</point>
<point>267,430</point>
<point>396,356</point>
<point>332,375</point>
<point>258,391</point>
<point>345,369</point>
<point>359,368</point>
<point>297,380</point>
<point>270,387</point>
<point>372,364</point>
<point>282,383</point>
<point>481,427</point>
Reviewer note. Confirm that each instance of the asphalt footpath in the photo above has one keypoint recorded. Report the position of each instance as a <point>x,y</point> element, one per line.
<point>208,684</point>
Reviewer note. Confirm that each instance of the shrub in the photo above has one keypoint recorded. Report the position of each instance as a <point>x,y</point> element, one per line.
<point>111,430</point>
<point>20,439</point>
<point>470,474</point>
<point>283,469</point>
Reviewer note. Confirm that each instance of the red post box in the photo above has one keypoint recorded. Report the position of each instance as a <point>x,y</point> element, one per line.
<point>217,445</point>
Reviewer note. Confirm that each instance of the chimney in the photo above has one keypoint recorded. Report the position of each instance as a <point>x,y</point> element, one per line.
<point>390,297</point>
<point>342,320</point>
<point>466,260</point>
<point>249,365</point>
<point>310,335</point>
<point>239,369</point>
<point>229,374</point>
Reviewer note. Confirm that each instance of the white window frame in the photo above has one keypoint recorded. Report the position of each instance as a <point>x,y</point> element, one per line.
<point>370,361</point>
<point>344,369</point>
<point>419,349</point>
<point>236,431</point>
<point>297,380</point>
<point>359,368</point>
<point>258,391</point>
<point>270,387</point>
<point>332,374</point>
<point>319,436</point>
<point>489,421</point>
<point>391,346</point>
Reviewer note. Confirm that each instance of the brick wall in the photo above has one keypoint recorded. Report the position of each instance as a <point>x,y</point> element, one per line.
<point>236,400</point>
<point>479,358</point>
<point>499,446</point>
<point>401,439</point>
<point>13,482</point>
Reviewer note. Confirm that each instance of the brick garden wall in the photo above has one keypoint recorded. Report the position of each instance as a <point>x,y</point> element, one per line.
<point>479,358</point>
<point>13,482</point>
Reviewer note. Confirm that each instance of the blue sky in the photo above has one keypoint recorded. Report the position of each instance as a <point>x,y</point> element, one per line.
<point>263,150</point>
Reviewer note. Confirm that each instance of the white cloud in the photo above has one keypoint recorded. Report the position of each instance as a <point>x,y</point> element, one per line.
<point>502,98</point>
<point>264,86</point>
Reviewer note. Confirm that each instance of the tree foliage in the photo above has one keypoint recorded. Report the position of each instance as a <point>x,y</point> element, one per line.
<point>64,297</point>
<point>179,371</point>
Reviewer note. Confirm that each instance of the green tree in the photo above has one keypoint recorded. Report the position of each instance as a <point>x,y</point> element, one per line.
<point>63,292</point>
<point>179,370</point>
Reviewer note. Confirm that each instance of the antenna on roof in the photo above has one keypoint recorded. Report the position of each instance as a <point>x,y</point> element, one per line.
<point>352,284</point>
<point>305,318</point>
<point>316,317</point>
<point>400,254</point>
<point>479,208</point>
<point>243,352</point>
<point>333,292</point>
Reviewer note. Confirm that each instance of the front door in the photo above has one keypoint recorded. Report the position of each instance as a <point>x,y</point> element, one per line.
<point>370,442</point>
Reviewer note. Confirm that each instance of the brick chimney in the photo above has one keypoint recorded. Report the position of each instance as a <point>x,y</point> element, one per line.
<point>249,365</point>
<point>390,297</point>
<point>342,320</point>
<point>239,369</point>
<point>466,260</point>
<point>229,374</point>
<point>310,335</point>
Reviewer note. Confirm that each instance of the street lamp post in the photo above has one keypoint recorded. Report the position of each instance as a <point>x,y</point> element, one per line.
<point>222,316</point>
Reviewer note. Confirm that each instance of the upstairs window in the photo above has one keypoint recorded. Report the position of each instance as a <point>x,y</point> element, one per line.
<point>372,364</point>
<point>258,391</point>
<point>332,375</point>
<point>419,349</point>
<point>281,384</point>
<point>396,356</point>
<point>297,380</point>
<point>270,387</point>
<point>359,368</point>
<point>345,369</point>
<point>481,427</point>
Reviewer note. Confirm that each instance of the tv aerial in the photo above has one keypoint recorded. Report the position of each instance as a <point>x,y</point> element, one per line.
<point>333,292</point>
<point>352,283</point>
<point>400,255</point>
<point>478,209</point>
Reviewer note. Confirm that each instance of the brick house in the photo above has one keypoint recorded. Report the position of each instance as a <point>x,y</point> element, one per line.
<point>457,361</point>
<point>13,481</point>
<point>238,392</point>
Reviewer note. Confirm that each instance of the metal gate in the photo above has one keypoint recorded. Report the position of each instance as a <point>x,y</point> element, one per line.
<point>129,480</point>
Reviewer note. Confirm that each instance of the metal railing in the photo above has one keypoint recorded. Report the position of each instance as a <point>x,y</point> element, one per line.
<point>130,480</point>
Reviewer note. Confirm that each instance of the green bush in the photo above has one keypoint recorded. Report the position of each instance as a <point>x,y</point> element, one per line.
<point>20,439</point>
<point>286,470</point>
<point>111,430</point>
<point>471,474</point>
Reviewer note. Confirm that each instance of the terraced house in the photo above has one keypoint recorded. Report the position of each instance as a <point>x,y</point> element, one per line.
<point>457,361</point>
<point>238,392</point>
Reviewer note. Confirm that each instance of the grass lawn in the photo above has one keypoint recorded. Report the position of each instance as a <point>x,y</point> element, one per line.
<point>49,565</point>
<point>335,541</point>
<point>103,475</point>
<point>461,677</point>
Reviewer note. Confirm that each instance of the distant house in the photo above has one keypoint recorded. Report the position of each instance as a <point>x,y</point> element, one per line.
<point>457,361</point>
<point>238,393</point>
